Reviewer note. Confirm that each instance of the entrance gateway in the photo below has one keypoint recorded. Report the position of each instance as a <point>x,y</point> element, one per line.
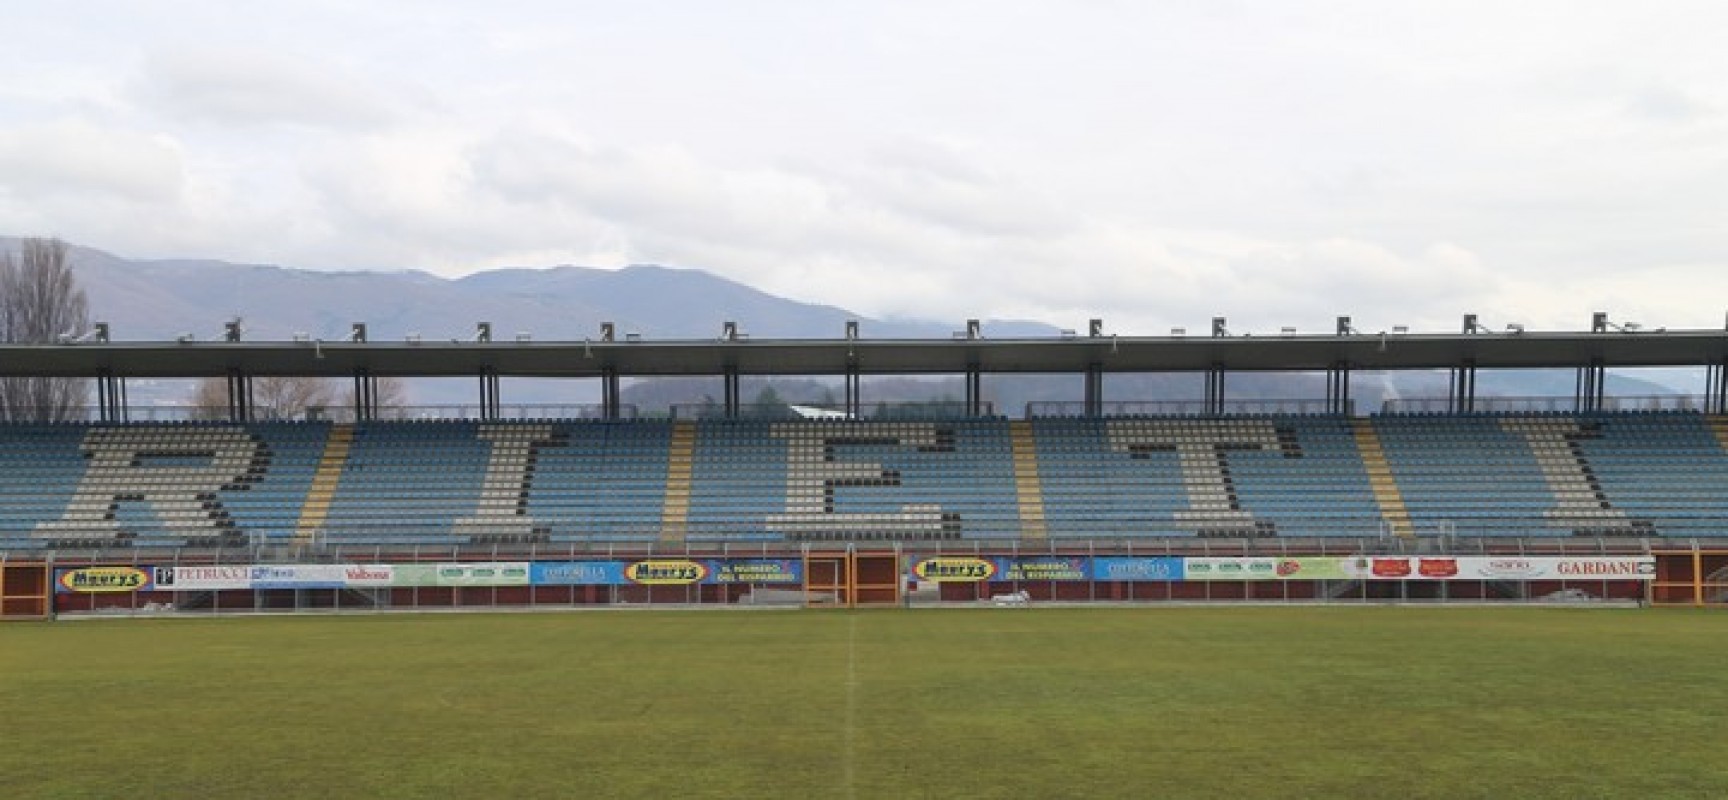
<point>852,578</point>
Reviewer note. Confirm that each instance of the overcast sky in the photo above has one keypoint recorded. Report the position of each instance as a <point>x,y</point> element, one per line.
<point>1151,163</point>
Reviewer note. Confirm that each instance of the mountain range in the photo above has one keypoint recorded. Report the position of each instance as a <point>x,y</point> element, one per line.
<point>155,300</point>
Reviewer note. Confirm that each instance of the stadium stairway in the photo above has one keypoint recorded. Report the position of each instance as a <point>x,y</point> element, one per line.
<point>1719,427</point>
<point>1026,483</point>
<point>1380,479</point>
<point>675,513</point>
<point>317,506</point>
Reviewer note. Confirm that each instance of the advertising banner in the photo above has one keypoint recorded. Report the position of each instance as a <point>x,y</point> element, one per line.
<point>299,576</point>
<point>1041,568</point>
<point>576,573</point>
<point>666,572</point>
<point>788,571</point>
<point>1264,568</point>
<point>368,576</point>
<point>485,573</point>
<point>1135,568</point>
<point>954,569</point>
<point>93,580</point>
<point>1502,568</point>
<point>203,579</point>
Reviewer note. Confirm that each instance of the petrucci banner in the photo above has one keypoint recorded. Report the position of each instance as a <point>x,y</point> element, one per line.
<point>203,579</point>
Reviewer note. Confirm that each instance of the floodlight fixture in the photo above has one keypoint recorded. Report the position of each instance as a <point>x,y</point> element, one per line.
<point>482,331</point>
<point>1218,328</point>
<point>1095,328</point>
<point>357,332</point>
<point>1344,328</point>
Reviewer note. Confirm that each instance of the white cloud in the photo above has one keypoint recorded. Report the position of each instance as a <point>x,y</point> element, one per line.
<point>247,87</point>
<point>1152,163</point>
<point>74,158</point>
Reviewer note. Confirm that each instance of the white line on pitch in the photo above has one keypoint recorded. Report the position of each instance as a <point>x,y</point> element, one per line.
<point>851,788</point>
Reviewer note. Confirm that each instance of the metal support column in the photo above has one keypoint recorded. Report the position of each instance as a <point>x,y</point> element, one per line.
<point>854,395</point>
<point>1092,404</point>
<point>1461,396</point>
<point>111,396</point>
<point>611,403</point>
<point>239,396</point>
<point>730,378</point>
<point>489,393</point>
<point>1215,390</point>
<point>974,391</point>
<point>365,395</point>
<point>1591,383</point>
<point>1338,388</point>
<point>1716,387</point>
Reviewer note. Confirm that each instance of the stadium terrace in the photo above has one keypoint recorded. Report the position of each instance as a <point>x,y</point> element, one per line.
<point>862,504</point>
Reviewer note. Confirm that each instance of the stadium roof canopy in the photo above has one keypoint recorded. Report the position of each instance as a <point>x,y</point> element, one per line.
<point>1066,354</point>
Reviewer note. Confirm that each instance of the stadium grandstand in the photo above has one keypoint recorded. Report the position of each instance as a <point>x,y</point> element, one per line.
<point>870,504</point>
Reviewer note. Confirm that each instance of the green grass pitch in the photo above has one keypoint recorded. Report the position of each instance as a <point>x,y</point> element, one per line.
<point>1012,703</point>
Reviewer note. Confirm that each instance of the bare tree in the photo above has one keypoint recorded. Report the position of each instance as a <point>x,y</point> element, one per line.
<point>41,303</point>
<point>292,397</point>
<point>391,395</point>
<point>273,397</point>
